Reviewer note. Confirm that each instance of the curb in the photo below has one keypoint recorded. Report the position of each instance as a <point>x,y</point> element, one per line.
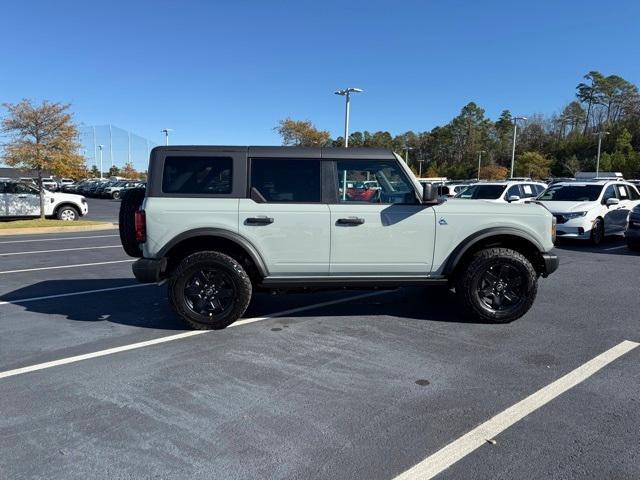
<point>39,230</point>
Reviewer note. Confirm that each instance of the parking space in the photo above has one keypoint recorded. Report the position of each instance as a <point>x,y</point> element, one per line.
<point>349,384</point>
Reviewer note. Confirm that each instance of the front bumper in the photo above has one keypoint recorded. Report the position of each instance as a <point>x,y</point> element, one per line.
<point>632,235</point>
<point>149,270</point>
<point>551,263</point>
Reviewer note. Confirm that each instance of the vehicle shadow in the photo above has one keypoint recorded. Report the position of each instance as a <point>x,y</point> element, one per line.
<point>614,245</point>
<point>147,306</point>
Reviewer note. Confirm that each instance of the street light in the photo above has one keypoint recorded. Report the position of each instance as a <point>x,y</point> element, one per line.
<point>600,135</point>
<point>406,155</point>
<point>480,161</point>
<point>513,151</point>
<point>100,147</point>
<point>346,93</point>
<point>166,134</point>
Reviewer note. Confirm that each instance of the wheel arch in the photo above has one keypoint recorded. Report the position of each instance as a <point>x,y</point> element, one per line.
<point>513,238</point>
<point>220,240</point>
<point>66,203</point>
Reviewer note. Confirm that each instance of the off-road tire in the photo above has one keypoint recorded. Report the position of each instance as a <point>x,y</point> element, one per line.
<point>469,280</point>
<point>215,261</point>
<point>64,213</point>
<point>131,203</point>
<point>597,232</point>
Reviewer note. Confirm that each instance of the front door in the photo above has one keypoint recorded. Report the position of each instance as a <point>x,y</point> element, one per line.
<point>285,218</point>
<point>378,225</point>
<point>22,200</point>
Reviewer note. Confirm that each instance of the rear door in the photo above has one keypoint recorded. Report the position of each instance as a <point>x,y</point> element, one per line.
<point>390,234</point>
<point>612,216</point>
<point>285,217</point>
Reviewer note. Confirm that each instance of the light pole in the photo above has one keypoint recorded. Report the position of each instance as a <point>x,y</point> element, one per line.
<point>100,147</point>
<point>406,154</point>
<point>513,151</point>
<point>480,161</point>
<point>420,161</point>
<point>600,135</point>
<point>346,93</point>
<point>166,134</point>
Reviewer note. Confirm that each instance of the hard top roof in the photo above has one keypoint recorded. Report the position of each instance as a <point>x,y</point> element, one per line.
<point>292,152</point>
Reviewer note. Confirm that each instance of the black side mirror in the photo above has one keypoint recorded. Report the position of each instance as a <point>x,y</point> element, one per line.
<point>429,193</point>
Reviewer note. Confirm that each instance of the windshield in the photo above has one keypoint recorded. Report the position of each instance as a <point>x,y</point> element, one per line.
<point>482,192</point>
<point>571,193</point>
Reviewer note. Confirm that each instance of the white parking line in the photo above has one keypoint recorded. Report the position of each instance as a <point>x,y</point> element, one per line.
<point>59,250</point>
<point>463,446</point>
<point>20,301</point>
<point>67,266</point>
<point>614,248</point>
<point>55,239</point>
<point>170,338</point>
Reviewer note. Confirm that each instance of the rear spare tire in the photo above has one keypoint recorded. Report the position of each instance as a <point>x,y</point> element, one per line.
<point>131,203</point>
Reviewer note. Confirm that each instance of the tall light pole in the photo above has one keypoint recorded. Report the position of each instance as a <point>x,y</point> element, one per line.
<point>513,151</point>
<point>100,147</point>
<point>480,161</point>
<point>600,135</point>
<point>166,134</point>
<point>346,93</point>
<point>406,154</point>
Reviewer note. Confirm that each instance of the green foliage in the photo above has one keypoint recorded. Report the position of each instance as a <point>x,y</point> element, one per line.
<point>532,164</point>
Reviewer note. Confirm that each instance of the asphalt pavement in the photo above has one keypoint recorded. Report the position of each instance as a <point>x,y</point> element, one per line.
<point>351,384</point>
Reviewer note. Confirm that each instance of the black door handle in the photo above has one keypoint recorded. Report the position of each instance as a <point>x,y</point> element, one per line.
<point>350,221</point>
<point>258,221</point>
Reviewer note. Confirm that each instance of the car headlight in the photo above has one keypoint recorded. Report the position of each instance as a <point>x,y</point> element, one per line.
<point>572,215</point>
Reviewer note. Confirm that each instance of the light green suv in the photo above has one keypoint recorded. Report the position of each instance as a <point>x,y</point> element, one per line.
<point>221,222</point>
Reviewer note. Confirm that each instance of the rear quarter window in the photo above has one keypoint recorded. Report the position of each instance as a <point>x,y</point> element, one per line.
<point>197,175</point>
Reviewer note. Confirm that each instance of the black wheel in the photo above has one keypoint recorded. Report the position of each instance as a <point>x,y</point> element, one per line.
<point>209,290</point>
<point>498,285</point>
<point>116,195</point>
<point>131,203</point>
<point>68,214</point>
<point>597,232</point>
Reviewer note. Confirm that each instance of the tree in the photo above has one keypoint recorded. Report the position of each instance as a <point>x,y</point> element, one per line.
<point>532,164</point>
<point>493,172</point>
<point>42,137</point>
<point>95,172</point>
<point>128,171</point>
<point>301,133</point>
<point>113,171</point>
<point>587,93</point>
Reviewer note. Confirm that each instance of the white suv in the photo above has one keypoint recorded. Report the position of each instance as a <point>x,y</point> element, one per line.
<point>508,191</point>
<point>590,210</point>
<point>21,200</point>
<point>220,222</point>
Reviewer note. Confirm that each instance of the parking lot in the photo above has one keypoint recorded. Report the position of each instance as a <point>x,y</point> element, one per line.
<point>98,379</point>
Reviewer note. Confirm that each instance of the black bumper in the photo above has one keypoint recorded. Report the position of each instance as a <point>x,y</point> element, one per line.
<point>149,270</point>
<point>551,262</point>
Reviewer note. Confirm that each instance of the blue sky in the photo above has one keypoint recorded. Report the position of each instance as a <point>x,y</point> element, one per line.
<point>226,72</point>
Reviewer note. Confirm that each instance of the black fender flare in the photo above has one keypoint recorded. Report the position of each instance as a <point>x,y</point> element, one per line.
<point>218,233</point>
<point>463,247</point>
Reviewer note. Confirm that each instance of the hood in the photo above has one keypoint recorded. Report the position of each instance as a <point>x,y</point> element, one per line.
<point>566,207</point>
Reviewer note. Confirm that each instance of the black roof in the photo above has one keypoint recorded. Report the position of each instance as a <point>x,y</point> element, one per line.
<point>271,151</point>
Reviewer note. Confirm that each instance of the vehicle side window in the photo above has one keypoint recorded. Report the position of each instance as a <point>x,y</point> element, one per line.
<point>375,181</point>
<point>21,189</point>
<point>287,179</point>
<point>528,190</point>
<point>3,187</point>
<point>514,190</point>
<point>610,192</point>
<point>633,193</point>
<point>197,175</point>
<point>622,192</point>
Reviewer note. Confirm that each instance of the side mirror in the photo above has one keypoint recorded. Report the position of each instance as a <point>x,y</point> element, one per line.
<point>612,201</point>
<point>429,193</point>
<point>513,198</point>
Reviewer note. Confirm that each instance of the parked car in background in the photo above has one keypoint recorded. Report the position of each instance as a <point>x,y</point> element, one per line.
<point>451,190</point>
<point>19,200</point>
<point>507,191</point>
<point>590,210</point>
<point>115,190</point>
<point>632,232</point>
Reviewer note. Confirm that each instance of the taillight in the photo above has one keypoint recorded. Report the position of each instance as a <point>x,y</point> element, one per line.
<point>141,226</point>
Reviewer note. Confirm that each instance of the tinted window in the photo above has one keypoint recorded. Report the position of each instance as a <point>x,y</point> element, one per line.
<point>482,192</point>
<point>622,192</point>
<point>20,188</point>
<point>374,181</point>
<point>286,180</point>
<point>610,192</point>
<point>529,190</point>
<point>514,190</point>
<point>633,193</point>
<point>3,186</point>
<point>199,175</point>
<point>572,193</point>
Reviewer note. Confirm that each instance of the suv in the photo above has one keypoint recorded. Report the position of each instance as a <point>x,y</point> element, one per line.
<point>221,222</point>
<point>590,210</point>
<point>507,191</point>
<point>18,199</point>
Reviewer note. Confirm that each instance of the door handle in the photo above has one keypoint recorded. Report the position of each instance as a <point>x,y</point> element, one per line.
<point>22,196</point>
<point>258,221</point>
<point>350,221</point>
